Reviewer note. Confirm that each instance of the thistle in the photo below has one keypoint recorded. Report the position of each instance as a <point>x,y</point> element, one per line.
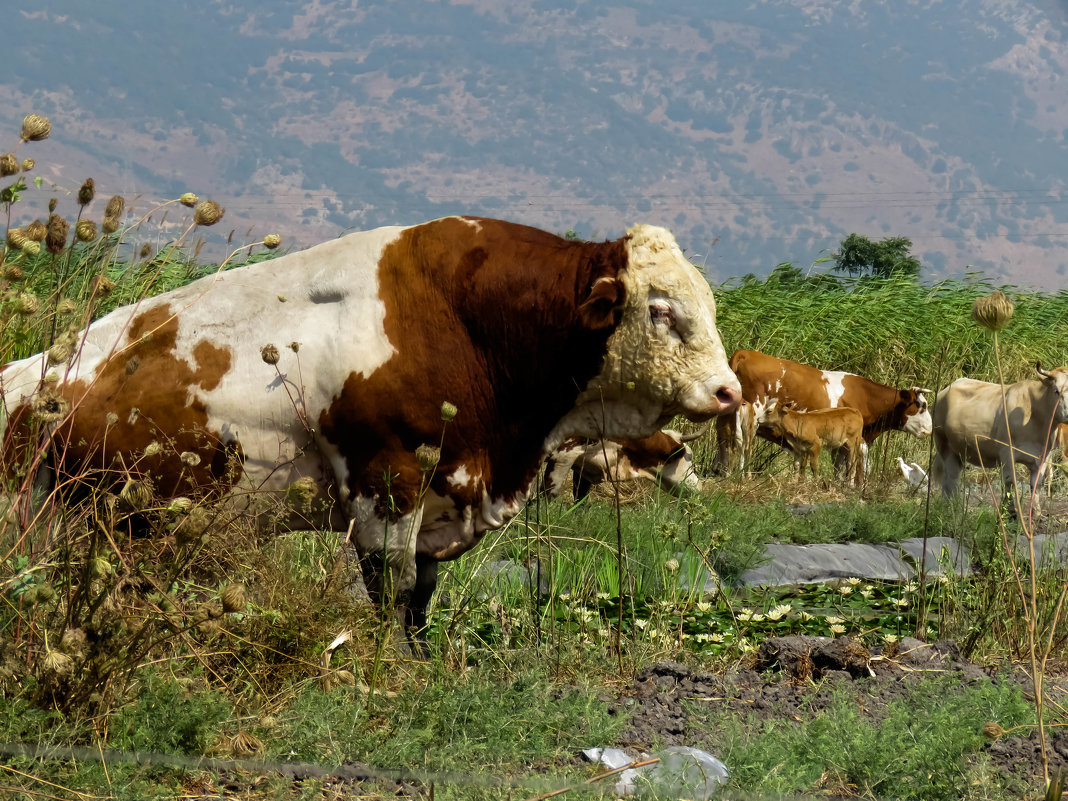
<point>116,206</point>
<point>428,457</point>
<point>86,192</point>
<point>146,250</point>
<point>35,128</point>
<point>269,354</point>
<point>189,199</point>
<point>85,230</point>
<point>56,238</point>
<point>103,285</point>
<point>9,165</point>
<point>992,312</point>
<point>16,238</point>
<point>208,212</point>
<point>271,241</point>
<point>37,231</point>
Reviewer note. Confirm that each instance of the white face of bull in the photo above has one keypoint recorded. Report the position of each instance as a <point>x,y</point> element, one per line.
<point>665,357</point>
<point>1056,383</point>
<point>919,424</point>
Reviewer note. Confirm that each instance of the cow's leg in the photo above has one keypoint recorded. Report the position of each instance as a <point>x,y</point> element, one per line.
<point>814,459</point>
<point>426,581</point>
<point>945,469</point>
<point>728,442</point>
<point>387,555</point>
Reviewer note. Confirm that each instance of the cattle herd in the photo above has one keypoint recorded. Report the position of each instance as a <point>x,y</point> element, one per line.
<point>419,377</point>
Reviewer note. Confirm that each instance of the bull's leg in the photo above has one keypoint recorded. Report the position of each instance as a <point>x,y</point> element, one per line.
<point>388,557</point>
<point>728,442</point>
<point>426,581</point>
<point>945,472</point>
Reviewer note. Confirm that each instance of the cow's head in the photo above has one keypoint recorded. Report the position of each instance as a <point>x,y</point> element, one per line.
<point>916,414</point>
<point>1056,384</point>
<point>665,356</point>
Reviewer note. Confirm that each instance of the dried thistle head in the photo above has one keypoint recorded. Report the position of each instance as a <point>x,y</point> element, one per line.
<point>28,164</point>
<point>35,128</point>
<point>992,312</point>
<point>448,411</point>
<point>86,192</point>
<point>116,206</point>
<point>37,231</point>
<point>9,165</point>
<point>294,346</point>
<point>208,212</point>
<point>135,495</point>
<point>56,238</point>
<point>14,273</point>
<point>233,598</point>
<point>302,492</point>
<point>153,449</point>
<point>85,230</point>
<point>269,354</point>
<point>16,238</point>
<point>25,304</point>
<point>49,406</point>
<point>428,457</point>
<point>189,199</point>
<point>271,241</point>
<point>103,285</point>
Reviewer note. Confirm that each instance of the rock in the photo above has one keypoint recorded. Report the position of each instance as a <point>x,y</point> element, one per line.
<point>842,653</point>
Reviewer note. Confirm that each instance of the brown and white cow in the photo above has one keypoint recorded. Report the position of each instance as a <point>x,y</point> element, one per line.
<point>664,458</point>
<point>806,432</point>
<point>767,378</point>
<point>533,338</point>
<point>971,427</point>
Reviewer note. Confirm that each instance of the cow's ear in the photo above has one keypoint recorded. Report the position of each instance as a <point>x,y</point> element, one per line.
<point>603,305</point>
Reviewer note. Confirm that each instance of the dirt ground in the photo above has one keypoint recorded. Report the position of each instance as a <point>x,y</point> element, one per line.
<point>797,677</point>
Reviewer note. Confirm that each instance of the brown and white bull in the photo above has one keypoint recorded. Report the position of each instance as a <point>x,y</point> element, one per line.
<point>767,378</point>
<point>805,433</point>
<point>533,338</point>
<point>971,427</point>
<point>664,458</point>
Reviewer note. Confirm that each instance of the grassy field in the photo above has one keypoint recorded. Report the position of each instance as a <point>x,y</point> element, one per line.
<point>215,642</point>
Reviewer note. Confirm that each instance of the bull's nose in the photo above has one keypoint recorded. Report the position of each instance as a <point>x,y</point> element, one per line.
<point>728,399</point>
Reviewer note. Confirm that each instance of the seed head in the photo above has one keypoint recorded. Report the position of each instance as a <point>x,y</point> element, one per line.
<point>86,192</point>
<point>992,312</point>
<point>428,457</point>
<point>63,348</point>
<point>45,592</point>
<point>992,730</point>
<point>188,199</point>
<point>66,306</point>
<point>25,304</point>
<point>56,664</point>
<point>28,164</point>
<point>103,285</point>
<point>146,250</point>
<point>111,418</point>
<point>37,231</point>
<point>14,273</point>
<point>294,346</point>
<point>85,230</point>
<point>269,354</point>
<point>180,506</point>
<point>51,205</point>
<point>110,224</point>
<point>153,448</point>
<point>245,745</point>
<point>31,248</point>
<point>271,241</point>
<point>74,641</point>
<point>56,238</point>
<point>116,206</point>
<point>671,565</point>
<point>35,128</point>
<point>100,567</point>
<point>233,598</point>
<point>302,492</point>
<point>9,165</point>
<point>16,238</point>
<point>190,459</point>
<point>135,495</point>
<point>208,212</point>
<point>448,411</point>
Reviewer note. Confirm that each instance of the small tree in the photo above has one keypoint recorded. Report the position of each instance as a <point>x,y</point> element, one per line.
<point>858,255</point>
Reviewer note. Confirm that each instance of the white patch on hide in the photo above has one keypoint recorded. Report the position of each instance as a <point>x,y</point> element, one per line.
<point>835,387</point>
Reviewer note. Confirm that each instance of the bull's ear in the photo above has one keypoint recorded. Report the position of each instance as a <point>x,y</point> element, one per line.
<point>603,304</point>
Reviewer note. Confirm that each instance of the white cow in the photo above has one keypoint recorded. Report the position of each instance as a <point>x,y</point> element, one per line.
<point>983,424</point>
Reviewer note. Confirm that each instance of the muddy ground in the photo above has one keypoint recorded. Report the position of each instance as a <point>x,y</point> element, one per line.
<point>796,678</point>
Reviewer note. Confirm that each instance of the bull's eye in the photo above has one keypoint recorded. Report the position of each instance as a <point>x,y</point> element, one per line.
<point>661,312</point>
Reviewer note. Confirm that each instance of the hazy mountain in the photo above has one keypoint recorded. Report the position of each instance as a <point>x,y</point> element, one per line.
<point>759,132</point>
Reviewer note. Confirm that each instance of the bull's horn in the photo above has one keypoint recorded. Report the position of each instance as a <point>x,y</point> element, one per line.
<point>695,435</point>
<point>1041,372</point>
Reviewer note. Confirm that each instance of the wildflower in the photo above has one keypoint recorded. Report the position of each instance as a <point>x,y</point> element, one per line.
<point>745,614</point>
<point>179,506</point>
<point>428,457</point>
<point>66,306</point>
<point>63,348</point>
<point>37,231</point>
<point>56,664</point>
<point>116,206</point>
<point>992,312</point>
<point>448,411</point>
<point>35,128</point>
<point>153,448</point>
<point>271,241</point>
<point>56,238</point>
<point>852,581</point>
<point>704,606</point>
<point>269,354</point>
<point>783,610</point>
<point>208,212</point>
<point>867,593</point>
<point>103,285</point>
<point>846,590</point>
<point>641,624</point>
<point>804,616</point>
<point>671,565</point>
<point>9,165</point>
<point>28,164</point>
<point>833,621</point>
<point>111,418</point>
<point>837,629</point>
<point>31,248</point>
<point>716,637</point>
<point>890,639</point>
<point>911,587</point>
<point>86,192</point>
<point>135,495</point>
<point>85,230</point>
<point>902,602</point>
<point>188,199</point>
<point>189,459</point>
<point>775,614</point>
<point>25,304</point>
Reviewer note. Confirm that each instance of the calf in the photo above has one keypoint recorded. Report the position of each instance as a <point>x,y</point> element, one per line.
<point>805,434</point>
